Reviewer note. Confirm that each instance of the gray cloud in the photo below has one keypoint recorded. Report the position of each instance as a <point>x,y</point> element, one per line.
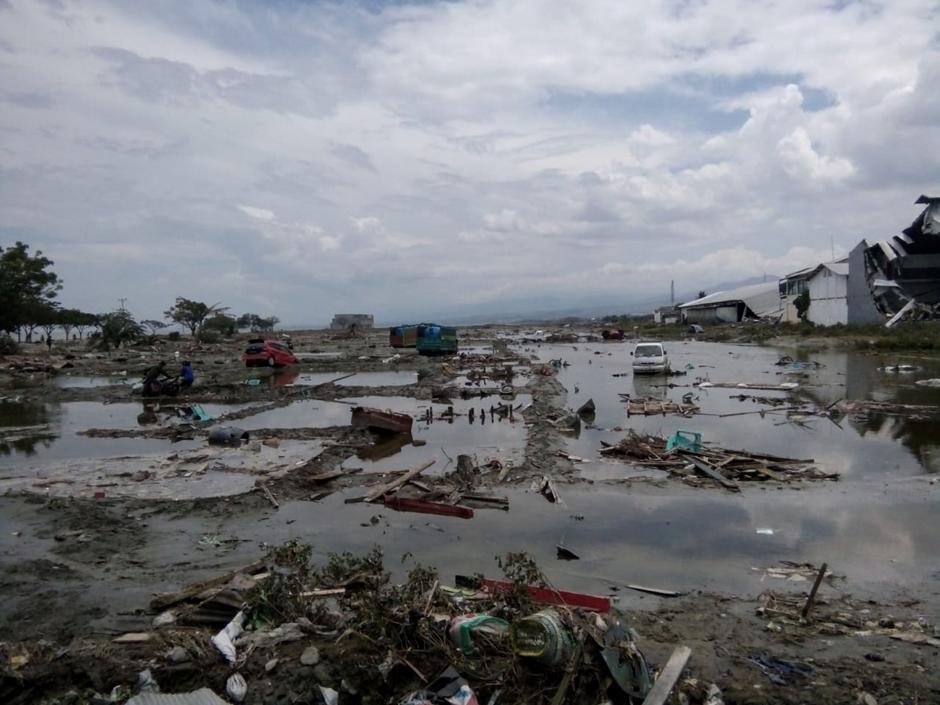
<point>460,154</point>
<point>353,155</point>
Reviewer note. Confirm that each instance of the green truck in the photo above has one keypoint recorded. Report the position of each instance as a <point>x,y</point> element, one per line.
<point>436,340</point>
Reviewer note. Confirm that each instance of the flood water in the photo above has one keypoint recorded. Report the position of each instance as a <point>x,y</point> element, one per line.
<point>876,525</point>
<point>34,432</point>
<point>874,446</point>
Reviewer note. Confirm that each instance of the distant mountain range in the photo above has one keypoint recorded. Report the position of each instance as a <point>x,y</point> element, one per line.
<point>549,308</point>
<point>552,308</point>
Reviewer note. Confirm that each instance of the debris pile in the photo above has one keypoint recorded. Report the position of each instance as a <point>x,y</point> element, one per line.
<point>649,406</point>
<point>722,465</point>
<point>336,632</point>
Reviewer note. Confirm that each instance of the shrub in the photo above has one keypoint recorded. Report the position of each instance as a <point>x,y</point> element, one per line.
<point>8,346</point>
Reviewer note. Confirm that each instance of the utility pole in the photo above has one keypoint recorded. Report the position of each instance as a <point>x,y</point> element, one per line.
<point>672,292</point>
<point>123,300</point>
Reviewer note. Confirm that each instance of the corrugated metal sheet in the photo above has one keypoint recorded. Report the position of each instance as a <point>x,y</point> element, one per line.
<point>840,268</point>
<point>203,696</point>
<point>762,299</point>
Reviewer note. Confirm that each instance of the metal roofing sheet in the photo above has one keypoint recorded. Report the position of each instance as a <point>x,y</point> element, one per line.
<point>203,696</point>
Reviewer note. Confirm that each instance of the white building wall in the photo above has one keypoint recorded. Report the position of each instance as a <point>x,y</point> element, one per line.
<point>828,295</point>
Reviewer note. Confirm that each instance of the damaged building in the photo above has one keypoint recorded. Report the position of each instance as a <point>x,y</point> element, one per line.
<point>758,301</point>
<point>899,276</point>
<point>352,321</point>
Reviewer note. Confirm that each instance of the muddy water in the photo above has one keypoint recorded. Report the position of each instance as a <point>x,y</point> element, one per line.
<point>495,437</point>
<point>34,432</point>
<point>873,447</point>
<point>90,381</point>
<point>677,538</point>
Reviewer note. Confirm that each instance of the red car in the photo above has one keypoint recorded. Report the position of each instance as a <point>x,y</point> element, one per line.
<point>268,353</point>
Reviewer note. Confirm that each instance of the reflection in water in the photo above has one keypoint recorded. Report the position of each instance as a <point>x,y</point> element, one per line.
<point>32,431</point>
<point>863,446</point>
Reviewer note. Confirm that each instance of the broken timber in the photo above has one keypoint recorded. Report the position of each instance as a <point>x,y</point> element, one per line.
<point>711,472</point>
<point>667,678</point>
<point>398,482</point>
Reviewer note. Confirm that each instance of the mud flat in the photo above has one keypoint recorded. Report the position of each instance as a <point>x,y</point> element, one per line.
<point>108,501</point>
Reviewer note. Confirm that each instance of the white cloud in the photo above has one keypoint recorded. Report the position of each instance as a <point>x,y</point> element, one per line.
<point>800,158</point>
<point>257,213</point>
<point>515,149</point>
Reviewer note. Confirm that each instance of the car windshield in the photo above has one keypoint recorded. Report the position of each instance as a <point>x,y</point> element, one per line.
<point>648,351</point>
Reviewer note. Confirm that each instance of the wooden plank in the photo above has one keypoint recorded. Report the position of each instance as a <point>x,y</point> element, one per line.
<point>655,591</point>
<point>422,506</point>
<point>668,677</point>
<point>812,593</point>
<point>550,596</point>
<point>709,471</point>
<point>385,489</point>
<point>162,600</point>
<point>332,475</point>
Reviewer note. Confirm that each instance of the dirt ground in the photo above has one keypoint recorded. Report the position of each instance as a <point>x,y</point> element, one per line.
<point>79,568</point>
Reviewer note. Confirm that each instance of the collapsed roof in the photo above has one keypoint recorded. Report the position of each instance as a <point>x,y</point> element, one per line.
<point>904,270</point>
<point>759,300</point>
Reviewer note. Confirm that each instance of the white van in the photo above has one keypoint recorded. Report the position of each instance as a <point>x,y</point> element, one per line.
<point>650,359</point>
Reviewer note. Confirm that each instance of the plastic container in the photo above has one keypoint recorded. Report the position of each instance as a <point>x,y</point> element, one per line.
<point>543,636</point>
<point>463,629</point>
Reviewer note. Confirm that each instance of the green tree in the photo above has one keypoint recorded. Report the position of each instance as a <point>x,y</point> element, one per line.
<point>69,319</point>
<point>117,328</point>
<point>222,324</point>
<point>153,326</point>
<point>802,303</point>
<point>192,314</point>
<point>82,320</point>
<point>48,318</point>
<point>268,324</point>
<point>247,320</point>
<point>27,283</point>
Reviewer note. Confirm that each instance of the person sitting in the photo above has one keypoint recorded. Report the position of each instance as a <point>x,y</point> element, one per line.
<point>187,376</point>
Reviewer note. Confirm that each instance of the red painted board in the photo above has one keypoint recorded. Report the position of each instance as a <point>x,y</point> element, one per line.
<point>408,504</point>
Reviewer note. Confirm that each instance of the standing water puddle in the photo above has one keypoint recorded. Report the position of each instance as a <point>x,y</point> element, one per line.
<point>869,446</point>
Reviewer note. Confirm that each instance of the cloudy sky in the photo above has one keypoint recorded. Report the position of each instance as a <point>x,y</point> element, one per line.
<point>407,159</point>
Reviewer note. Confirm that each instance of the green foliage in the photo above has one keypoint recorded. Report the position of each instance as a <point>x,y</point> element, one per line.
<point>70,318</point>
<point>221,324</point>
<point>117,329</point>
<point>28,286</point>
<point>153,327</point>
<point>8,346</point>
<point>801,303</point>
<point>255,322</point>
<point>521,570</point>
<point>279,598</point>
<point>192,314</point>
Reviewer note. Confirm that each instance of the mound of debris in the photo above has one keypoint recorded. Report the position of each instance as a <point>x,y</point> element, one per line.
<point>685,455</point>
<point>284,630</point>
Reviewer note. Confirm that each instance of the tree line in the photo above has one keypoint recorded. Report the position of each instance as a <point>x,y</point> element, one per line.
<point>29,290</point>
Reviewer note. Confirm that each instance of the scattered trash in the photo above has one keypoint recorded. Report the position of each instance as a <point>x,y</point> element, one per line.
<point>543,636</point>
<point>236,687</point>
<point>778,670</point>
<point>224,640</point>
<point>684,440</point>
<point>447,689</point>
<point>587,410</point>
<point>203,696</point>
<point>566,554</point>
<point>720,464</point>
<point>764,532</point>
<point>383,420</point>
<point>330,696</point>
<point>228,436</point>
<point>466,629</point>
